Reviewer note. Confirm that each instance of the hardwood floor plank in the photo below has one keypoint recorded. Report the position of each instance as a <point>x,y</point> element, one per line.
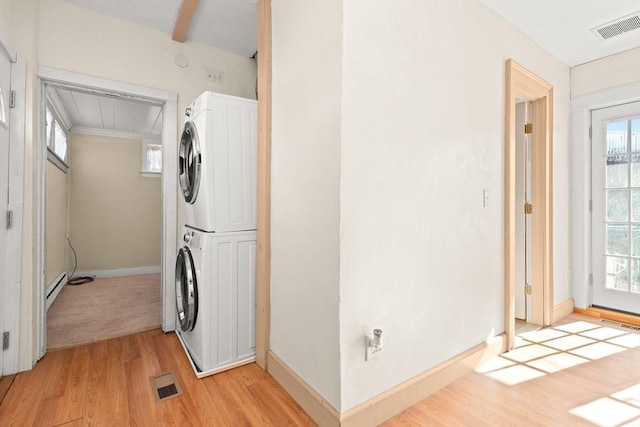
<point>5,384</point>
<point>107,383</point>
<point>281,409</point>
<point>195,403</point>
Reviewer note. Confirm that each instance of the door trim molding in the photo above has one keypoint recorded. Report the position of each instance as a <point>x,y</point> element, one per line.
<point>523,85</point>
<point>13,263</point>
<point>263,256</point>
<point>168,100</point>
<point>580,180</point>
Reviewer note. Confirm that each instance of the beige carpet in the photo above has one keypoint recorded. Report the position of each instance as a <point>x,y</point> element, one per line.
<point>105,308</point>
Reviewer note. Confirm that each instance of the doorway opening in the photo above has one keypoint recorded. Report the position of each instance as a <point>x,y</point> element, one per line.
<point>523,86</point>
<point>615,208</point>
<point>108,93</point>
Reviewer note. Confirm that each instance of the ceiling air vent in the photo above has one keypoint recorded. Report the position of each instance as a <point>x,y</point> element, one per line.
<point>617,27</point>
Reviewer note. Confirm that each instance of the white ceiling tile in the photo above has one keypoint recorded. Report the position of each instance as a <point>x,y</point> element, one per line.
<point>157,126</point>
<point>88,109</point>
<point>126,112</point>
<point>146,118</point>
<point>70,107</point>
<point>108,110</point>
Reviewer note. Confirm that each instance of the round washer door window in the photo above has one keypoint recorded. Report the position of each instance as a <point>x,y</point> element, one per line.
<point>186,290</point>
<point>189,162</point>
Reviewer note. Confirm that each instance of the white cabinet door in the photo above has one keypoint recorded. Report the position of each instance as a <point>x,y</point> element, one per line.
<point>616,207</point>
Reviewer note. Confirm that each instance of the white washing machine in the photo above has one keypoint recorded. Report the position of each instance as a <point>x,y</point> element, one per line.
<point>218,163</point>
<point>215,299</point>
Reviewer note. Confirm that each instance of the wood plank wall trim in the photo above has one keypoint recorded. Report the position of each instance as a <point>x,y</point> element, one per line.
<point>563,309</point>
<point>393,401</point>
<point>263,258</point>
<point>313,404</point>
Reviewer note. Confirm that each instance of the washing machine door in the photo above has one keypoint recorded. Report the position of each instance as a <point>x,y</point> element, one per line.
<point>186,290</point>
<point>189,162</point>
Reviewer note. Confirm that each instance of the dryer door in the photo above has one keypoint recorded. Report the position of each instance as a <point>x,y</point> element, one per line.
<point>186,290</point>
<point>190,162</point>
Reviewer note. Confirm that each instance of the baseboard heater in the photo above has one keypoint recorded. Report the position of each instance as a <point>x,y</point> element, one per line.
<point>54,288</point>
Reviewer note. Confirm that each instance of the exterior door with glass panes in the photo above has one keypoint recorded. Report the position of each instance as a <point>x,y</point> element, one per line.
<point>616,207</point>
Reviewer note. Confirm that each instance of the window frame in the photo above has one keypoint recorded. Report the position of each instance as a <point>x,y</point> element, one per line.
<point>52,156</point>
<point>144,171</point>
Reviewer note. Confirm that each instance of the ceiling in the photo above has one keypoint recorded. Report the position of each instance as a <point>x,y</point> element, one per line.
<point>89,111</point>
<point>226,24</point>
<point>562,27</point>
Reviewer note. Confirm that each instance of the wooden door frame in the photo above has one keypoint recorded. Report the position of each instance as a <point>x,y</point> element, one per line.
<point>263,256</point>
<point>523,85</point>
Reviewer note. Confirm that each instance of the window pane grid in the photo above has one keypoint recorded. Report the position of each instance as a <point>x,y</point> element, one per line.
<point>622,205</point>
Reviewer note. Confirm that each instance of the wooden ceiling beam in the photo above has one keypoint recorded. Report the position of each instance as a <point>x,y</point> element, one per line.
<point>183,20</point>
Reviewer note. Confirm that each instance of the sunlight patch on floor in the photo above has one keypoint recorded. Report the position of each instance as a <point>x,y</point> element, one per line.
<point>527,353</point>
<point>629,395</point>
<point>606,412</point>
<point>629,340</point>
<point>542,335</point>
<point>553,349</point>
<point>603,333</point>
<point>515,374</point>
<point>557,362</point>
<point>597,350</point>
<point>569,342</point>
<point>576,327</point>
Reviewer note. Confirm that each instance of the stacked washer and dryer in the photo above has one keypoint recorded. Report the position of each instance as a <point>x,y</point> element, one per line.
<point>215,267</point>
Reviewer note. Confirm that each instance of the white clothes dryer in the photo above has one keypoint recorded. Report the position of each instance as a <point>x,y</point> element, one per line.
<point>215,299</point>
<point>218,163</point>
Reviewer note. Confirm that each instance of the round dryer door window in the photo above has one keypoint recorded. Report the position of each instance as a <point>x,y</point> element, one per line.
<point>186,290</point>
<point>189,162</point>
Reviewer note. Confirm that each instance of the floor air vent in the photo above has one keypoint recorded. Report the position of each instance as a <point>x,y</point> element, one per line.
<point>617,27</point>
<point>620,324</point>
<point>632,327</point>
<point>165,386</point>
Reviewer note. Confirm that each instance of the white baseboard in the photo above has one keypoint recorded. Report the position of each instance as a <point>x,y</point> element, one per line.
<point>54,288</point>
<point>563,309</point>
<point>390,403</point>
<point>118,272</point>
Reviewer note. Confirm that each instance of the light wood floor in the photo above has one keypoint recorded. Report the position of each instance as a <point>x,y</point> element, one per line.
<point>107,384</point>
<point>580,373</point>
<point>105,308</point>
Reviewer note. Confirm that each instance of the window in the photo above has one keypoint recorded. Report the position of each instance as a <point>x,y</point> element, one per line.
<point>151,157</point>
<point>3,107</point>
<point>56,135</point>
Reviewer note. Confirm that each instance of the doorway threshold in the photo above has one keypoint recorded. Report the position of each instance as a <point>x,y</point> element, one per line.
<point>602,313</point>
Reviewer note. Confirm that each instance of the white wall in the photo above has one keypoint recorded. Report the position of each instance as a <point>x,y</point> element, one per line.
<point>56,223</point>
<point>423,119</point>
<point>612,71</point>
<point>116,213</point>
<point>421,137</point>
<point>305,184</point>
<point>61,35</point>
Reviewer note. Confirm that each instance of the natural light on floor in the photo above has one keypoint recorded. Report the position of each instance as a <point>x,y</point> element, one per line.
<point>554,349</point>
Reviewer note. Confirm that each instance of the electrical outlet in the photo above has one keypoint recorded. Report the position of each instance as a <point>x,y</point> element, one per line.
<point>373,354</point>
<point>215,76</point>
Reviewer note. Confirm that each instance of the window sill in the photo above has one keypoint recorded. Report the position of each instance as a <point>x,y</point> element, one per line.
<point>151,174</point>
<point>53,158</point>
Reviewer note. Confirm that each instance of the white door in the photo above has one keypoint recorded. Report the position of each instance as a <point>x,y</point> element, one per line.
<point>5,91</point>
<point>616,207</point>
